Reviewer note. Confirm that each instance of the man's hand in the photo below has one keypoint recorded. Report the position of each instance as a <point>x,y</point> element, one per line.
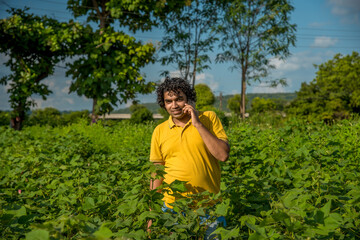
<point>190,110</point>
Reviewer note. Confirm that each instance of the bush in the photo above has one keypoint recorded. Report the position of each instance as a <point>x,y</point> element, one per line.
<point>47,116</point>
<point>73,117</point>
<point>260,105</point>
<point>140,114</point>
<point>204,95</point>
<point>4,118</point>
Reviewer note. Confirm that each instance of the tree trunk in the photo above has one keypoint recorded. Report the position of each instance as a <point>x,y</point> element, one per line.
<point>94,115</point>
<point>17,122</point>
<point>194,72</point>
<point>103,16</point>
<point>243,92</point>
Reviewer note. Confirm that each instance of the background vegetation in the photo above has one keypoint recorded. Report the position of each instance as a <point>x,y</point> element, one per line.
<point>79,181</point>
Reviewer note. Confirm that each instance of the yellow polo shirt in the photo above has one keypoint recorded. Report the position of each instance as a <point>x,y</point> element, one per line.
<point>186,156</point>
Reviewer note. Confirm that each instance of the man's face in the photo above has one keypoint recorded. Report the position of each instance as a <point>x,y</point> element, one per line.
<point>174,103</point>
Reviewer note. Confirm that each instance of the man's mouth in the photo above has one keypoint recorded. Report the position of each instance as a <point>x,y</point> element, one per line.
<point>177,112</point>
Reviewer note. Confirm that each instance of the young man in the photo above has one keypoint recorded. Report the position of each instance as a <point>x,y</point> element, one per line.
<point>190,143</point>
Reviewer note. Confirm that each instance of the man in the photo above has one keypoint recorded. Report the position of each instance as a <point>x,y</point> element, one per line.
<point>190,143</point>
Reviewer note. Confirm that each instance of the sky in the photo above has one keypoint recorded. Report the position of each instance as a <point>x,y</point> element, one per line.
<point>324,29</point>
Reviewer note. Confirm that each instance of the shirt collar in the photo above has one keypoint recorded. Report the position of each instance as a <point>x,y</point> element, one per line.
<point>172,124</point>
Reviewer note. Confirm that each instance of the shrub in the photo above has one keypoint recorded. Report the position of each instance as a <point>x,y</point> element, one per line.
<point>4,118</point>
<point>140,114</point>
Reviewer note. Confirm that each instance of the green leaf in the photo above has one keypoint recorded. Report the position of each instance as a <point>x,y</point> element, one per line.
<point>260,230</point>
<point>37,234</point>
<point>227,233</point>
<point>88,204</point>
<point>326,209</point>
<point>103,233</point>
<point>107,45</point>
<point>17,211</point>
<point>148,214</point>
<point>222,208</point>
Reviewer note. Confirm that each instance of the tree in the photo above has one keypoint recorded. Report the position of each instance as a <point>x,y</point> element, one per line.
<point>234,104</point>
<point>108,69</point>
<point>254,31</point>
<point>189,37</point>
<point>204,96</point>
<point>140,114</point>
<point>334,93</point>
<point>261,105</point>
<point>34,45</point>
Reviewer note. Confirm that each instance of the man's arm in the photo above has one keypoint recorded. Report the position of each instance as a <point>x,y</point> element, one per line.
<point>155,183</point>
<point>217,147</point>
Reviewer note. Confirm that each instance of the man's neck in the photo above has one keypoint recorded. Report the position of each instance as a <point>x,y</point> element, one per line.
<point>182,121</point>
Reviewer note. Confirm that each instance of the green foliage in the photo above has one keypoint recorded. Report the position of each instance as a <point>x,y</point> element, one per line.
<point>252,33</point>
<point>334,93</point>
<point>139,15</point>
<point>108,68</point>
<point>92,182</point>
<point>109,62</point>
<point>164,113</point>
<point>74,117</point>
<point>5,118</point>
<point>34,45</point>
<point>47,116</point>
<point>234,103</point>
<point>52,117</point>
<point>192,29</point>
<point>204,96</point>
<point>260,105</point>
<point>140,114</point>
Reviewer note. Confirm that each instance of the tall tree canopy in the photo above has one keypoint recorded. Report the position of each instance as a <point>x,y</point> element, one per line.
<point>334,93</point>
<point>254,31</point>
<point>204,96</point>
<point>34,45</point>
<point>189,36</point>
<point>108,68</point>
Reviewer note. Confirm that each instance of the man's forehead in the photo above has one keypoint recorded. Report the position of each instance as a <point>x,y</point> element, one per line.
<point>172,93</point>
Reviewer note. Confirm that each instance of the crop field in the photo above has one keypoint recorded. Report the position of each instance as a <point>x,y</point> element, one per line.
<point>299,181</point>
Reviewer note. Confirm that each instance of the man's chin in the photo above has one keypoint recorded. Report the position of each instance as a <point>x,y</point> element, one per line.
<point>178,116</point>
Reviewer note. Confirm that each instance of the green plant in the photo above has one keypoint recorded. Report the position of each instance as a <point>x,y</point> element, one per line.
<point>298,181</point>
<point>140,114</point>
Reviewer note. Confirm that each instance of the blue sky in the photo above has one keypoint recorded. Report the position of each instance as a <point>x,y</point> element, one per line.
<point>324,28</point>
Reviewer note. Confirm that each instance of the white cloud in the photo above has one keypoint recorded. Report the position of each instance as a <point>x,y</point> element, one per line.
<point>298,68</point>
<point>207,79</point>
<point>50,82</point>
<point>264,88</point>
<point>349,10</point>
<point>69,100</point>
<point>296,62</point>
<point>235,91</point>
<point>174,74</point>
<point>65,89</point>
<point>324,42</point>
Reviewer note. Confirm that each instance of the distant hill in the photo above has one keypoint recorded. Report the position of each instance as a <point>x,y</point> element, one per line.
<point>251,96</point>
<point>154,107</point>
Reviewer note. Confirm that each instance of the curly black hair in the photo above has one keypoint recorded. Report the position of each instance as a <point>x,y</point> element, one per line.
<point>174,85</point>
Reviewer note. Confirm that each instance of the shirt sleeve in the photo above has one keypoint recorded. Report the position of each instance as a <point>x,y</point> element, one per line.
<point>155,151</point>
<point>216,127</point>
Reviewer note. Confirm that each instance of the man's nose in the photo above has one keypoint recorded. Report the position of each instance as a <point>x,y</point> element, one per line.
<point>174,104</point>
